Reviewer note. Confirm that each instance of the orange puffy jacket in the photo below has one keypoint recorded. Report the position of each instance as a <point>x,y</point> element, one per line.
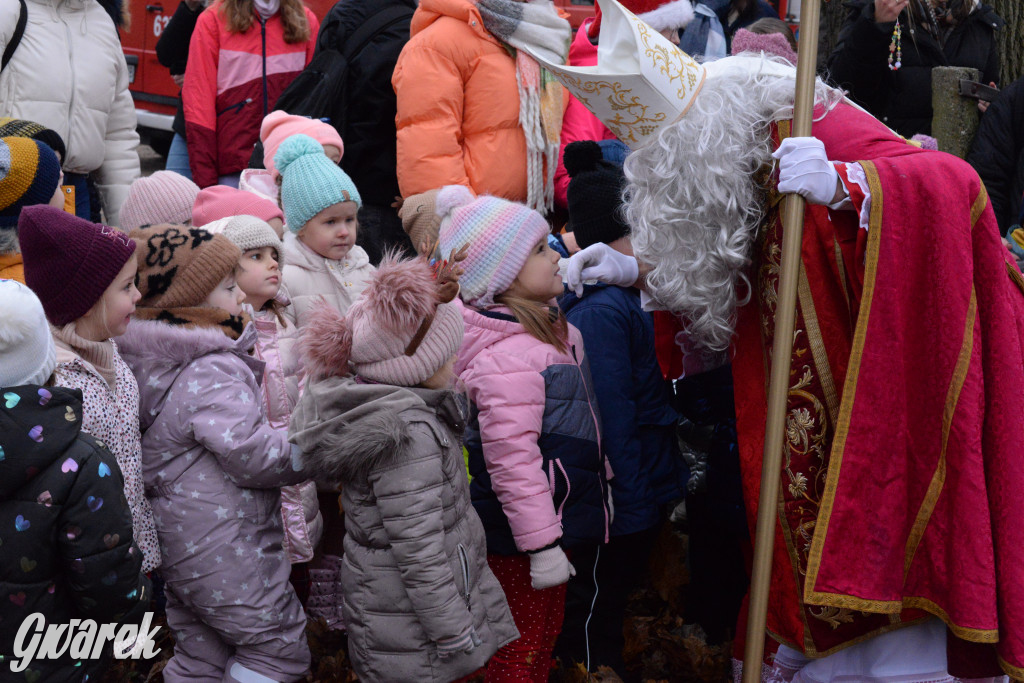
<point>458,106</point>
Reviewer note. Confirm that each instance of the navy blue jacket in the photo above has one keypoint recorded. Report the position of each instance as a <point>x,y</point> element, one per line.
<point>638,425</point>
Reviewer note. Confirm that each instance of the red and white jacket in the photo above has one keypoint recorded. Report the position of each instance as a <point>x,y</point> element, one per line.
<point>232,81</point>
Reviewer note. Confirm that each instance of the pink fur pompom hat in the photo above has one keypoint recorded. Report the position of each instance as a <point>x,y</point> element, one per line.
<point>403,328</point>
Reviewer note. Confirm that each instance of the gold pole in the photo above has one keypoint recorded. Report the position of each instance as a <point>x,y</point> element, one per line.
<point>782,351</point>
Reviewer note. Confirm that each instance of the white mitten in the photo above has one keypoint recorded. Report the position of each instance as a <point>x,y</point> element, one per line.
<point>550,568</point>
<point>805,169</point>
<point>600,262</point>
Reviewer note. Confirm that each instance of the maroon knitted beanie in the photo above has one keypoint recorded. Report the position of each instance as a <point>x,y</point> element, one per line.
<point>69,262</point>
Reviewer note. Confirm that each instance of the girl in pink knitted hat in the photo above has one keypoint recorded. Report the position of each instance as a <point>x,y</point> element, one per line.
<point>534,436</point>
<point>276,128</point>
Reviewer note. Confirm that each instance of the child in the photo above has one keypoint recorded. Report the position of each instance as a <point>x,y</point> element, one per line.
<point>66,534</point>
<point>534,434</point>
<point>29,174</point>
<point>420,220</point>
<point>770,35</point>
<point>420,601</point>
<point>637,421</point>
<point>220,201</point>
<point>164,197</point>
<point>212,465</point>
<point>320,205</point>
<point>85,276</point>
<point>259,278</point>
<point>276,128</point>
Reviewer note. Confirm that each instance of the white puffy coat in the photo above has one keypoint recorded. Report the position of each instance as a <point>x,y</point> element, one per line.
<point>69,74</point>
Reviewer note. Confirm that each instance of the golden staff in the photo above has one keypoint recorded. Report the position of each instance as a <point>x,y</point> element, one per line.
<point>782,351</point>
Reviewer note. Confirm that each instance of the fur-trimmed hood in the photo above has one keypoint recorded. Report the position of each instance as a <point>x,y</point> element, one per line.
<point>158,352</point>
<point>346,428</point>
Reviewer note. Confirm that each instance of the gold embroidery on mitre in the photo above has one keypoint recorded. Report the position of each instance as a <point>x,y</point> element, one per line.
<point>674,63</point>
<point>632,121</point>
<point>641,82</point>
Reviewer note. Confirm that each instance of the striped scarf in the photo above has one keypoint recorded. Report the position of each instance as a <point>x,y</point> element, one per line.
<point>536,26</point>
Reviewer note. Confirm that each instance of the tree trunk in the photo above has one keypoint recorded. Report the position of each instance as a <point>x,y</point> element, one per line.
<point>832,16</point>
<point>1011,40</point>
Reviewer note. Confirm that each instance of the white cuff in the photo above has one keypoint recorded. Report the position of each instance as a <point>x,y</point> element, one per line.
<point>855,172</point>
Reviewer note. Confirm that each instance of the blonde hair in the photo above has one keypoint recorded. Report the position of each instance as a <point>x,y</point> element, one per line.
<point>544,323</point>
<point>239,16</point>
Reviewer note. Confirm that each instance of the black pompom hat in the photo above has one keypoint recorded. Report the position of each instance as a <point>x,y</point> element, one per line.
<point>594,195</point>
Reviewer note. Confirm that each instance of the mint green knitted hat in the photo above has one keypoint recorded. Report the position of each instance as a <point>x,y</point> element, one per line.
<point>310,182</point>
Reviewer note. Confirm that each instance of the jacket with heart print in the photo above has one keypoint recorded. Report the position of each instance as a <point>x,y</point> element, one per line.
<point>65,528</point>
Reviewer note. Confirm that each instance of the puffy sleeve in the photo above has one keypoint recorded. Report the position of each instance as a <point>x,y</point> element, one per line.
<point>229,422</point>
<point>429,89</point>
<point>94,533</point>
<point>199,100</point>
<point>509,395</point>
<point>120,165</point>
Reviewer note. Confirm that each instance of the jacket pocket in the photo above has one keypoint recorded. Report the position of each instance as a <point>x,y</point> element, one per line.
<point>235,108</point>
<point>464,563</point>
<point>558,480</point>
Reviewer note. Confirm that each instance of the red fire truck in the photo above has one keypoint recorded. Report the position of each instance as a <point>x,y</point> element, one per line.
<point>156,95</point>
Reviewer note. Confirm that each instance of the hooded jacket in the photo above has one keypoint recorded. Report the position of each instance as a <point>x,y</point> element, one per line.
<point>233,80</point>
<point>534,437</point>
<point>638,425</point>
<point>458,106</point>
<point>903,99</point>
<point>69,74</point>
<point>212,467</point>
<point>415,567</point>
<point>311,278</point>
<point>300,509</point>
<point>67,529</point>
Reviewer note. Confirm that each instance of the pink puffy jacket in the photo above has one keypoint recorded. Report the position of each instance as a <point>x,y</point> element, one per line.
<point>533,413</point>
<point>303,524</point>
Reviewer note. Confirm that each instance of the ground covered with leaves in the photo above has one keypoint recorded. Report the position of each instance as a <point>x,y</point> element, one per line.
<point>660,647</point>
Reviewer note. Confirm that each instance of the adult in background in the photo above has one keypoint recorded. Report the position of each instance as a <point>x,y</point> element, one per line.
<point>474,109</point>
<point>367,124</point>
<point>997,154</point>
<point>737,14</point>
<point>932,33</point>
<point>172,51</point>
<point>243,54</point>
<point>81,93</point>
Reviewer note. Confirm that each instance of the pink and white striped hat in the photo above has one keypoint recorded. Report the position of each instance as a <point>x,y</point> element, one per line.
<point>500,235</point>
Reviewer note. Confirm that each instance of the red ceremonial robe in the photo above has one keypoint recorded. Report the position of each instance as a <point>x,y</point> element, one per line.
<point>904,447</point>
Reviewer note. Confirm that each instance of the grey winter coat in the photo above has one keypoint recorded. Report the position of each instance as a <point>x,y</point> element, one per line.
<point>415,568</point>
<point>212,467</point>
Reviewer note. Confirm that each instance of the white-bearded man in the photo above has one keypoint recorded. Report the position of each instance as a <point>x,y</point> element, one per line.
<point>898,526</point>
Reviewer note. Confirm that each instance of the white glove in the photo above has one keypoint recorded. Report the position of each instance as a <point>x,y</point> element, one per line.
<point>805,169</point>
<point>600,262</point>
<point>549,568</point>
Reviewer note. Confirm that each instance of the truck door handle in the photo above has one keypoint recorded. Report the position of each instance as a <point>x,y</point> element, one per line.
<point>154,8</point>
